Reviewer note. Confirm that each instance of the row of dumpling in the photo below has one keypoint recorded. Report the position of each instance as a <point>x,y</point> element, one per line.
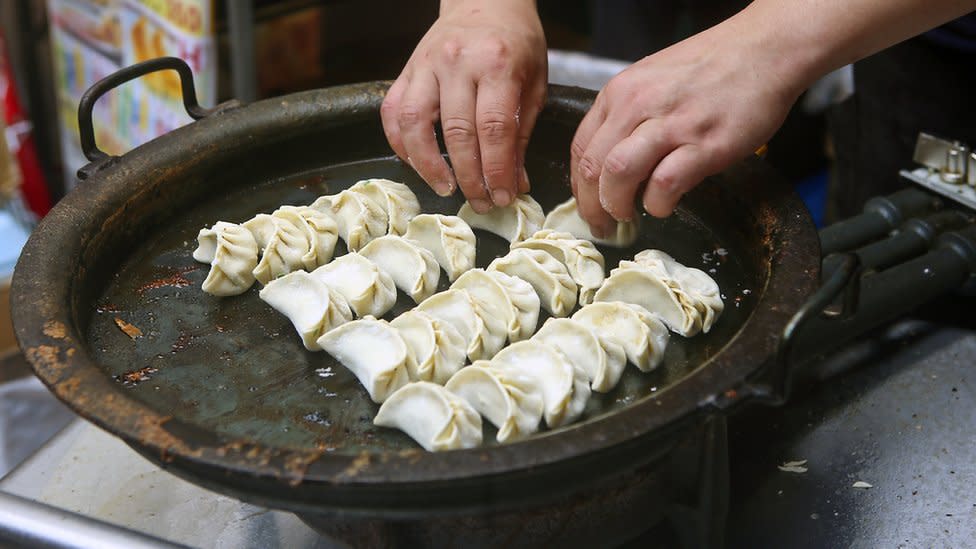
<point>294,238</point>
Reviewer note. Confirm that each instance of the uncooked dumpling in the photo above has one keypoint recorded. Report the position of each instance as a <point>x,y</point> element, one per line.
<point>601,359</point>
<point>641,286</point>
<point>581,258</point>
<point>373,351</point>
<point>234,254</point>
<point>448,237</point>
<point>642,336</point>
<point>526,302</point>
<point>320,228</point>
<point>368,290</point>
<point>359,217</point>
<point>548,277</point>
<point>396,199</point>
<point>687,282</point>
<point>412,268</point>
<point>308,303</point>
<point>494,296</point>
<point>515,222</point>
<point>433,416</point>
<point>283,243</point>
<point>511,401</point>
<point>483,335</point>
<point>435,349</point>
<point>564,389</point>
<point>566,218</point>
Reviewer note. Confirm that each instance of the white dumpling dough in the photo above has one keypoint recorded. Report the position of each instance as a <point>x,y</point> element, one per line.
<point>511,401</point>
<point>581,258</point>
<point>321,230</point>
<point>435,349</point>
<point>526,302</point>
<point>641,286</point>
<point>494,297</point>
<point>642,336</point>
<point>448,237</point>
<point>308,303</point>
<point>283,243</point>
<point>688,283</point>
<point>233,255</point>
<point>601,359</point>
<point>547,276</point>
<point>373,351</point>
<point>396,199</point>
<point>515,222</point>
<point>564,389</point>
<point>433,416</point>
<point>358,217</point>
<point>566,218</point>
<point>483,335</point>
<point>368,290</point>
<point>412,268</point>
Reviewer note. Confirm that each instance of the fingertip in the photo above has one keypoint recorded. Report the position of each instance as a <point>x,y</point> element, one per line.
<point>660,202</point>
<point>501,197</point>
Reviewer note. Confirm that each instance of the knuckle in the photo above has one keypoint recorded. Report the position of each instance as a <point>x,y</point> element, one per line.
<point>617,164</point>
<point>494,170</point>
<point>410,114</point>
<point>495,127</point>
<point>666,181</point>
<point>458,129</point>
<point>451,50</point>
<point>577,148</point>
<point>495,52</point>
<point>589,168</point>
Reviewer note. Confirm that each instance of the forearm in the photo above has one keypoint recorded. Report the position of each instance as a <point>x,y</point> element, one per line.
<point>808,38</point>
<point>495,5</point>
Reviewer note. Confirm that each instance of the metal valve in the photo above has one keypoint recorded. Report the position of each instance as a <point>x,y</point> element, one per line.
<point>953,161</point>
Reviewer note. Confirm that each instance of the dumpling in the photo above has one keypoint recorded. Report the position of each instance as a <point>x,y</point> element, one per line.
<point>396,199</point>
<point>373,351</point>
<point>448,237</point>
<point>320,228</point>
<point>233,255</point>
<point>601,359</point>
<point>483,335</point>
<point>433,416</point>
<point>308,303</point>
<point>515,222</point>
<point>687,282</point>
<point>435,349</point>
<point>412,268</point>
<point>564,389</point>
<point>547,276</point>
<point>507,301</point>
<point>358,217</point>
<point>566,218</point>
<point>510,400</point>
<point>284,245</point>
<point>368,290</point>
<point>641,286</point>
<point>581,258</point>
<point>642,336</point>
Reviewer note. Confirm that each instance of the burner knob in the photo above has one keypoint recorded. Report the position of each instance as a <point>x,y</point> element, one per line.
<point>956,158</point>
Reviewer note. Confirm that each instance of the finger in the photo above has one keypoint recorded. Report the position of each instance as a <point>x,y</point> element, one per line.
<point>418,111</point>
<point>458,105</point>
<point>676,174</point>
<point>529,110</point>
<point>498,102</point>
<point>589,168</point>
<point>628,166</point>
<point>389,111</point>
<point>584,133</point>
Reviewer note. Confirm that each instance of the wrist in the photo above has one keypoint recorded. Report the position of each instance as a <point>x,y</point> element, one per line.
<point>497,6</point>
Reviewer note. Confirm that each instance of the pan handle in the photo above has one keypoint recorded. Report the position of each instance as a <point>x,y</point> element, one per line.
<point>99,159</point>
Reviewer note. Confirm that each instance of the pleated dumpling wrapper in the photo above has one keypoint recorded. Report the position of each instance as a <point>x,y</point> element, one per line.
<point>642,336</point>
<point>435,349</point>
<point>433,416</point>
<point>358,217</point>
<point>601,359</point>
<point>566,218</point>
<point>564,389</point>
<point>641,286</point>
<point>320,228</point>
<point>368,290</point>
<point>501,296</point>
<point>483,334</point>
<point>687,282</point>
<point>448,237</point>
<point>283,243</point>
<point>515,222</point>
<point>373,351</point>
<point>396,199</point>
<point>309,304</point>
<point>232,253</point>
<point>412,268</point>
<point>510,400</point>
<point>581,258</point>
<point>547,276</point>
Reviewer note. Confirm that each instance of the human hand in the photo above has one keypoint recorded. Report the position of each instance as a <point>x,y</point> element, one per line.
<point>674,118</point>
<point>481,70</point>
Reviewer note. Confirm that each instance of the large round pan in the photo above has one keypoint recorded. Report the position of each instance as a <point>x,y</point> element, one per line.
<point>109,312</point>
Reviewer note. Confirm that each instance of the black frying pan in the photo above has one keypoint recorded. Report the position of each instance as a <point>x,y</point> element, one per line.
<point>221,391</point>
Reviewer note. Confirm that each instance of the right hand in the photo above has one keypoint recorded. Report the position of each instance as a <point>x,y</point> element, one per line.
<point>480,70</point>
